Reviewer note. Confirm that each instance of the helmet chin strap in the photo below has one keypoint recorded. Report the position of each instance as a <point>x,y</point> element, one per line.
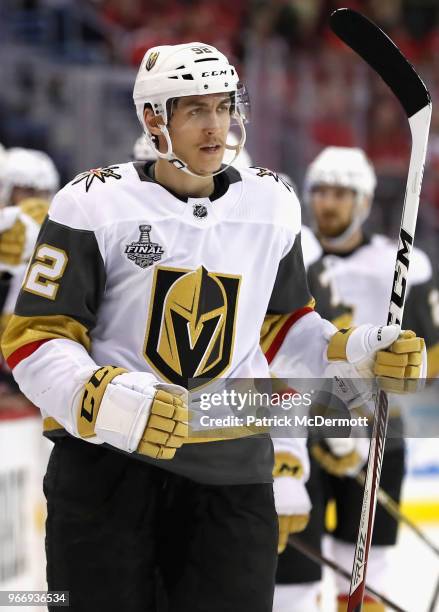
<point>359,215</point>
<point>183,166</point>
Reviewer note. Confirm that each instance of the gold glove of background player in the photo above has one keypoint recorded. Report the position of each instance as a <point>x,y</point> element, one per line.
<point>19,227</point>
<point>341,456</point>
<point>290,495</point>
<point>134,412</point>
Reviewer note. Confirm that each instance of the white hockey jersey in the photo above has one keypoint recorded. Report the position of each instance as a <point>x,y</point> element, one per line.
<point>129,274</point>
<point>354,288</point>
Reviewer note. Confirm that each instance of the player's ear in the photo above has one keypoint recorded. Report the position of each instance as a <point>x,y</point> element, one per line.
<point>152,122</point>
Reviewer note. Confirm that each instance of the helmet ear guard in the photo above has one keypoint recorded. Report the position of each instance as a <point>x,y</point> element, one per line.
<point>170,72</point>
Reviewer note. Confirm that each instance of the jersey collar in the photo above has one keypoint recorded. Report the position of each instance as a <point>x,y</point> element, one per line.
<point>222,182</point>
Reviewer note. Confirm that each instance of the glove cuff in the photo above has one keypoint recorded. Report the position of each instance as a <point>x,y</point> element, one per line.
<point>336,350</point>
<point>92,397</point>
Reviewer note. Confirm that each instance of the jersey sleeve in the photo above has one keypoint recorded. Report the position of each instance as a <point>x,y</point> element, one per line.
<point>47,340</point>
<point>290,300</point>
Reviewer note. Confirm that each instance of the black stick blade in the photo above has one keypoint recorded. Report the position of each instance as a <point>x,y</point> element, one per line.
<point>381,53</point>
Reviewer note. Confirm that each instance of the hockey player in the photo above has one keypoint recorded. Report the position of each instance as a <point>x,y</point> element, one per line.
<point>166,271</point>
<point>28,179</point>
<point>351,283</point>
<point>19,228</point>
<point>27,173</point>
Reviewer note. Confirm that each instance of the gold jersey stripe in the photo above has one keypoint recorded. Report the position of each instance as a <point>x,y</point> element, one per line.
<point>50,424</point>
<point>215,435</point>
<point>24,330</point>
<point>224,433</point>
<point>433,361</point>
<point>4,322</point>
<point>273,324</point>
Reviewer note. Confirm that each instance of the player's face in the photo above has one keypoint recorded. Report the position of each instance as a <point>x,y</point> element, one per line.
<point>332,207</point>
<point>198,128</point>
<point>19,194</point>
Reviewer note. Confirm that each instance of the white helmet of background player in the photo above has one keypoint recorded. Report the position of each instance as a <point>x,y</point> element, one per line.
<point>192,69</point>
<point>143,149</point>
<point>27,173</point>
<point>343,167</point>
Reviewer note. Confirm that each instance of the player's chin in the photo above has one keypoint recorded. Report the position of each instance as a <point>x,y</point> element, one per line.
<point>331,230</point>
<point>209,165</point>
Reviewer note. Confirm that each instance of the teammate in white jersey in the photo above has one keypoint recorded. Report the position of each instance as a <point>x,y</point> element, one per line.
<point>24,176</point>
<point>351,282</point>
<point>167,271</point>
<point>28,179</point>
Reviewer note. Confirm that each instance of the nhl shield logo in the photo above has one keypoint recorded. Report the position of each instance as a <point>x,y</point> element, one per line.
<point>199,211</point>
<point>144,252</point>
<point>152,58</point>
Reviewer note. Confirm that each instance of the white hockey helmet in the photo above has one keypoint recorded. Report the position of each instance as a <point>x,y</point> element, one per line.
<point>143,150</point>
<point>343,167</point>
<point>27,168</point>
<point>173,71</point>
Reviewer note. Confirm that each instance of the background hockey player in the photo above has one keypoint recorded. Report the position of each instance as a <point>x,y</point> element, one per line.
<point>351,283</point>
<point>166,270</point>
<point>28,179</point>
<point>27,173</point>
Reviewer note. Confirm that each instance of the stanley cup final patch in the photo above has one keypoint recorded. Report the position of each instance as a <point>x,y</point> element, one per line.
<point>144,253</point>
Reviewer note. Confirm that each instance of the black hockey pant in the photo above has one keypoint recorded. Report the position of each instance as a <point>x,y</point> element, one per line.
<point>122,535</point>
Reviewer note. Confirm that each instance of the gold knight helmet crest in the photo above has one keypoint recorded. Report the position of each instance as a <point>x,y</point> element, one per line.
<point>191,325</point>
<point>152,58</point>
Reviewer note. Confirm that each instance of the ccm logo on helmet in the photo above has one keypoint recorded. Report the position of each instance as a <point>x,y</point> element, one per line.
<point>214,73</point>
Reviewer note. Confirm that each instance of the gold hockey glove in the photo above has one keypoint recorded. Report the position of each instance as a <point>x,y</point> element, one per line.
<point>339,460</point>
<point>167,427</point>
<point>403,364</point>
<point>291,498</point>
<point>13,245</point>
<point>134,412</point>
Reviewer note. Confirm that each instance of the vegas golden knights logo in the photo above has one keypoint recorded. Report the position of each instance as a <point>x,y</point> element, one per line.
<point>191,324</point>
<point>153,57</point>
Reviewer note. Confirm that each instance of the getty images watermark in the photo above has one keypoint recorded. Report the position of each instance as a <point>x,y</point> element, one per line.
<point>233,408</point>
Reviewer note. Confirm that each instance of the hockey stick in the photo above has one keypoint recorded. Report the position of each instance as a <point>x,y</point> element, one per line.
<point>377,49</point>
<point>315,556</point>
<point>390,505</point>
